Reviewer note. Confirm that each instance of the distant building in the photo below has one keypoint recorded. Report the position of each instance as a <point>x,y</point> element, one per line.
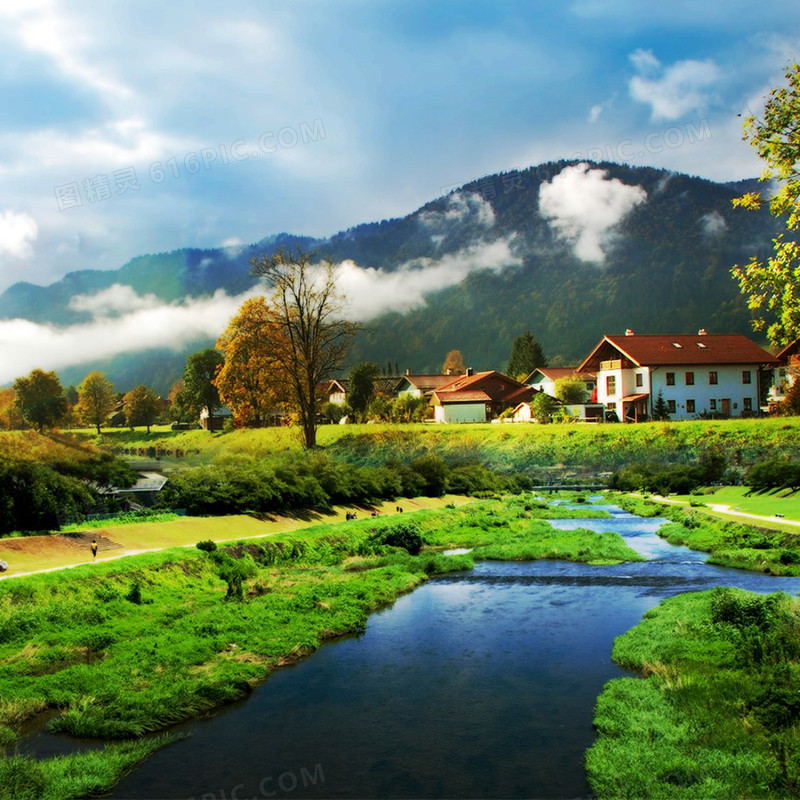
<point>785,373</point>
<point>421,385</point>
<point>477,397</point>
<point>215,421</point>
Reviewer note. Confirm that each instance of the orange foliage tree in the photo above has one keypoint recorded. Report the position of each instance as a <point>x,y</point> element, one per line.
<point>252,382</point>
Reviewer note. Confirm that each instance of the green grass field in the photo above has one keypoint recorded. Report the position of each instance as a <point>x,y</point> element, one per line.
<point>739,498</point>
<point>497,446</point>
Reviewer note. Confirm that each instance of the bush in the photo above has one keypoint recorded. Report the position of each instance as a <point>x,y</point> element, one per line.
<point>402,534</point>
<point>134,594</point>
<point>207,546</point>
<point>773,473</point>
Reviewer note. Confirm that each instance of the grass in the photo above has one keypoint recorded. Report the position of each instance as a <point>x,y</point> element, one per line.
<point>715,712</point>
<point>740,497</point>
<point>125,648</point>
<point>47,552</point>
<point>506,448</point>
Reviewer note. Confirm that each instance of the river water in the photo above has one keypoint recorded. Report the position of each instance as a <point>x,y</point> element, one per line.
<point>479,684</point>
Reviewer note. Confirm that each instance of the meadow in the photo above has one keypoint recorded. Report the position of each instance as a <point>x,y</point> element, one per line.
<point>127,648</point>
<point>715,713</point>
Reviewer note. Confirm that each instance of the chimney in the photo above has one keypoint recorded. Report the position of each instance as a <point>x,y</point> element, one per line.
<point>408,370</point>
<point>702,332</point>
<point>470,372</point>
<point>629,331</point>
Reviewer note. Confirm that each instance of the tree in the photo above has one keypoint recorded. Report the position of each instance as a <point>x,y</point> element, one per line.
<point>526,355</point>
<point>542,407</point>
<point>361,388</point>
<point>251,381</point>
<point>791,399</point>
<point>10,417</point>
<point>40,399</point>
<point>198,381</point>
<point>773,288</point>
<point>571,390</point>
<point>180,407</point>
<point>660,408</point>
<point>454,363</point>
<point>96,399</point>
<point>142,405</point>
<point>309,335</point>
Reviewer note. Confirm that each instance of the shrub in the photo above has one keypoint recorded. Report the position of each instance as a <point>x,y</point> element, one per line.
<point>401,534</point>
<point>134,594</point>
<point>207,546</point>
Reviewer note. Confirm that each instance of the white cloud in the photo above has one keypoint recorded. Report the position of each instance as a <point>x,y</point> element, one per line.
<point>113,301</point>
<point>370,292</point>
<point>713,224</point>
<point>18,232</point>
<point>460,208</point>
<point>149,324</point>
<point>583,205</point>
<point>671,91</point>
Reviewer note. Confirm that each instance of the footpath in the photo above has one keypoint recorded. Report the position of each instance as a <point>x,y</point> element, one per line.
<point>722,508</point>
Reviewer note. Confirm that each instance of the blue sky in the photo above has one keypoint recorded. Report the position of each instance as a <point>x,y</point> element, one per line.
<point>128,128</point>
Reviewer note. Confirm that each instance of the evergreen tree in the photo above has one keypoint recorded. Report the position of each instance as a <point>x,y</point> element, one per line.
<point>526,356</point>
<point>660,409</point>
<point>361,388</point>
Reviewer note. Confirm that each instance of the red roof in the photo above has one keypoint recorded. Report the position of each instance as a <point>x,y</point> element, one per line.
<point>663,350</point>
<point>790,350</point>
<point>492,385</point>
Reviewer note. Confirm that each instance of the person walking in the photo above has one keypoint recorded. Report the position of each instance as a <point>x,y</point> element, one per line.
<point>94,549</point>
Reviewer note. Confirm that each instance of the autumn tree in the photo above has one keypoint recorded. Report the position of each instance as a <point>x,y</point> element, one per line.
<point>142,406</point>
<point>199,388</point>
<point>454,363</point>
<point>10,417</point>
<point>309,335</point>
<point>772,288</point>
<point>180,407</point>
<point>361,387</point>
<point>96,399</point>
<point>526,356</point>
<point>40,399</point>
<point>251,381</point>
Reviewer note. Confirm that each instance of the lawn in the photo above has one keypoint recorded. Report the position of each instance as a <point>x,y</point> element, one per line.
<point>29,553</point>
<point>739,498</point>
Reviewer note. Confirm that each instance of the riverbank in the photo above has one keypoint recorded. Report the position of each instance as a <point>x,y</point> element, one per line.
<point>130,647</point>
<point>715,713</point>
<point>729,543</point>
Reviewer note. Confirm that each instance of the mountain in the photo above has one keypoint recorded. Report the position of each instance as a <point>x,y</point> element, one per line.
<point>659,245</point>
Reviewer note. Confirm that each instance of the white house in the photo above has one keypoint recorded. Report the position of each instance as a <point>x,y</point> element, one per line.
<point>543,379</point>
<point>784,374</point>
<point>421,385</point>
<point>704,373</point>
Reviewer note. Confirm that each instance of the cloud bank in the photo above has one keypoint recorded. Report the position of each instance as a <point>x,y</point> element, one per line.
<point>124,321</point>
<point>583,205</point>
<point>18,232</point>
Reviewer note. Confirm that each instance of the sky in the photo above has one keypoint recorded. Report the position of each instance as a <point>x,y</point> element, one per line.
<point>130,128</point>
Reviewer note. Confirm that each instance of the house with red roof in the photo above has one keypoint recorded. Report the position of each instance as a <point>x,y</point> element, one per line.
<point>543,379</point>
<point>785,374</point>
<point>421,385</point>
<point>695,374</point>
<point>477,397</point>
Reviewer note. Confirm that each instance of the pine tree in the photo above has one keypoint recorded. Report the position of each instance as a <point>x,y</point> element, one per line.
<point>526,356</point>
<point>660,409</point>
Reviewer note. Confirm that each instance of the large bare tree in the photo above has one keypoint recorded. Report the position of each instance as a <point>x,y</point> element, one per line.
<point>311,336</point>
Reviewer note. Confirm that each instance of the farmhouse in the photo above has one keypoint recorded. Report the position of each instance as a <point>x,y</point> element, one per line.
<point>785,373</point>
<point>421,385</point>
<point>476,397</point>
<point>700,374</point>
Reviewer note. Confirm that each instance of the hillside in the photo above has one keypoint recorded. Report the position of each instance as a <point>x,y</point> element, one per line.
<point>494,264</point>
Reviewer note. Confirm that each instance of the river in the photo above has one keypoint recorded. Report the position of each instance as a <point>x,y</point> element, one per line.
<point>477,684</point>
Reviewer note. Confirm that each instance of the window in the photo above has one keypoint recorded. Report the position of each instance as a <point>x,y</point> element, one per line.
<point>746,378</point>
<point>690,378</point>
<point>712,378</point>
<point>611,384</point>
<point>671,406</point>
<point>670,379</point>
<point>639,379</point>
<point>747,404</point>
<point>689,406</point>
<point>712,404</point>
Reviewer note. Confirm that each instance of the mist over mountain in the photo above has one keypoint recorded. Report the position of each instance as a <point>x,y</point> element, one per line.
<point>567,250</point>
